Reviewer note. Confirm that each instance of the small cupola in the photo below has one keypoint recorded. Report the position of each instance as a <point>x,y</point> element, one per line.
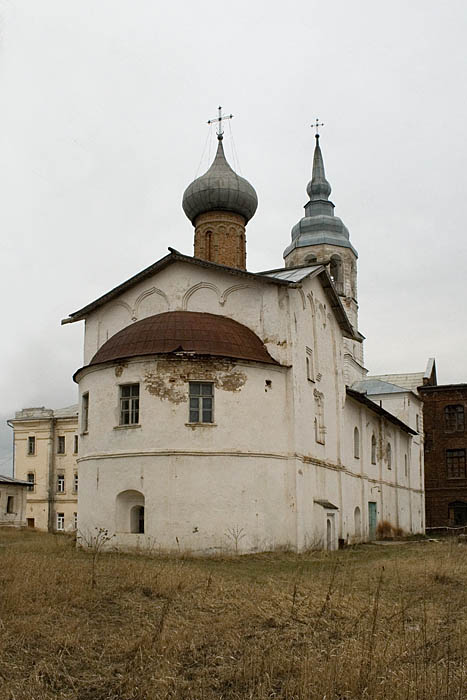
<point>219,204</point>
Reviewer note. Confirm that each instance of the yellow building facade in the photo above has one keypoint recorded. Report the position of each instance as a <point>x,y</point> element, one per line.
<point>46,445</point>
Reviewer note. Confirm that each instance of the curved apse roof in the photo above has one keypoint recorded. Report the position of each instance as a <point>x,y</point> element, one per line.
<point>184,331</point>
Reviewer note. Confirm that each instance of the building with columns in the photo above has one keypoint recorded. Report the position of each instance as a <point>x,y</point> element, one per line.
<point>222,409</point>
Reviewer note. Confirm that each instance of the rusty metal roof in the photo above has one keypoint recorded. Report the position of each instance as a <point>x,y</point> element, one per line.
<point>184,332</point>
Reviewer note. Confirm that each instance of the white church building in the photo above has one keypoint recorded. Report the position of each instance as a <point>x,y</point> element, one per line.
<point>216,404</point>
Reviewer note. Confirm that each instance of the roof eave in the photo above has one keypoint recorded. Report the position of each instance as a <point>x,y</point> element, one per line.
<point>363,399</point>
<point>172,257</point>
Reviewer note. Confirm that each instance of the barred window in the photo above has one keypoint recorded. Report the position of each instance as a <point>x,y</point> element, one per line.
<point>455,464</point>
<point>201,402</point>
<point>129,404</point>
<point>454,420</point>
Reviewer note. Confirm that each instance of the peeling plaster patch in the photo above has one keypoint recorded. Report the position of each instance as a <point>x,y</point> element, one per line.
<point>274,341</point>
<point>169,378</point>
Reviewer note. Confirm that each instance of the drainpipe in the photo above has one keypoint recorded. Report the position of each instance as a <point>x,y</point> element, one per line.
<point>51,480</point>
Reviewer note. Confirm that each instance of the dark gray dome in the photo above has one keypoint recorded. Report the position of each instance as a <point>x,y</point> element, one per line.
<point>220,188</point>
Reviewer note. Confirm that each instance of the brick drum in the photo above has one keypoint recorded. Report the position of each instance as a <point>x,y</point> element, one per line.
<point>445,416</point>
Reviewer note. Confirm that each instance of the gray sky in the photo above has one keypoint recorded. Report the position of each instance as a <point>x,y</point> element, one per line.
<point>103,109</point>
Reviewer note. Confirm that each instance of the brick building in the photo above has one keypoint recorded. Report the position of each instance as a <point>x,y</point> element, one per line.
<point>444,409</point>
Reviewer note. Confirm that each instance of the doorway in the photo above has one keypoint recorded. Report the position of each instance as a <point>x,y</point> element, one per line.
<point>30,522</point>
<point>372,519</point>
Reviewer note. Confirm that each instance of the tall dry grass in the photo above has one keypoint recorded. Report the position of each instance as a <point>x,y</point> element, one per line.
<point>373,622</point>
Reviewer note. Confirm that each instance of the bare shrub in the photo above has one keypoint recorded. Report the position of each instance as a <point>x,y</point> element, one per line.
<point>384,530</point>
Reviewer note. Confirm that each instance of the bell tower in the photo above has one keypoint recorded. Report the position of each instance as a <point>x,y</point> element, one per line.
<point>321,237</point>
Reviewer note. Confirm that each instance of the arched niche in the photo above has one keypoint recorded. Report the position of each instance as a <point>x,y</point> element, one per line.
<point>129,512</point>
<point>357,523</point>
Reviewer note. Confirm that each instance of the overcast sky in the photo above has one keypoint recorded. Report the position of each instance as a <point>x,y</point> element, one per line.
<point>103,117</point>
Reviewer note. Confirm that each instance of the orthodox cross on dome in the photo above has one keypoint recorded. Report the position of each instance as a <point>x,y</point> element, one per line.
<point>316,125</point>
<point>219,120</point>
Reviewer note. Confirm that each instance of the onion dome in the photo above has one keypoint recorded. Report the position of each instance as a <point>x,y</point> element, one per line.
<point>220,188</point>
<point>184,332</point>
<point>319,225</point>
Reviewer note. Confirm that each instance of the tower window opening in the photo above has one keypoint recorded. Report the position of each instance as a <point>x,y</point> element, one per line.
<point>335,270</point>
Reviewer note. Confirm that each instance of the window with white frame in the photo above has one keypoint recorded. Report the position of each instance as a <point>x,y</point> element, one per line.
<point>60,521</point>
<point>129,404</point>
<point>84,413</point>
<point>75,482</point>
<point>75,521</point>
<point>30,478</point>
<point>61,445</point>
<point>31,445</point>
<point>60,483</point>
<point>201,402</point>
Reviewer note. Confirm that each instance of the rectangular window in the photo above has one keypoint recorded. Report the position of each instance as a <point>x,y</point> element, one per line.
<point>201,402</point>
<point>31,445</point>
<point>75,444</point>
<point>129,404</point>
<point>60,521</point>
<point>61,445</point>
<point>455,464</point>
<point>84,413</point>
<point>75,482</point>
<point>454,420</point>
<point>30,480</point>
<point>310,375</point>
<point>60,483</point>
<point>75,521</point>
<point>10,504</point>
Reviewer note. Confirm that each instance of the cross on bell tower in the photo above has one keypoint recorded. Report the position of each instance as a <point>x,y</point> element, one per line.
<point>316,126</point>
<point>219,119</point>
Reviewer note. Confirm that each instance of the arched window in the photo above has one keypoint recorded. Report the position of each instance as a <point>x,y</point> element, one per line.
<point>356,443</point>
<point>358,522</point>
<point>129,515</point>
<point>389,455</point>
<point>335,270</point>
<point>373,449</point>
<point>454,420</point>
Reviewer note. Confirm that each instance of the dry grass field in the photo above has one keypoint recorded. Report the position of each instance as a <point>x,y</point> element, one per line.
<point>371,622</point>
